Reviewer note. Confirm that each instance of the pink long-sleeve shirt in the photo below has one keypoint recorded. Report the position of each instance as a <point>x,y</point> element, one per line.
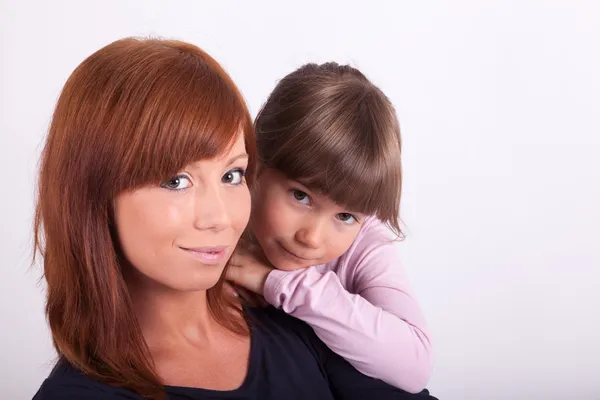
<point>362,307</point>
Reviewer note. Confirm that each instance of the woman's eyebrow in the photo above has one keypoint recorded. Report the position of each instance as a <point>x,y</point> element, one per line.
<point>238,157</point>
<point>233,159</point>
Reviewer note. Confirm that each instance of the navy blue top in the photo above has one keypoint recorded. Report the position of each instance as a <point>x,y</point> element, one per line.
<point>287,361</point>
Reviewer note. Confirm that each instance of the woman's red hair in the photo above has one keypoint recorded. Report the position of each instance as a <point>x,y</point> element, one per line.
<point>133,113</point>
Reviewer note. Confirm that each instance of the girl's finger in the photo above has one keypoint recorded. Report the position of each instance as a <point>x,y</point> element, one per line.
<point>239,260</point>
<point>251,298</point>
<point>233,273</point>
<point>229,288</point>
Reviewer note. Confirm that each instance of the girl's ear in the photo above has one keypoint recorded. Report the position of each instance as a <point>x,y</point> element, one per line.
<point>260,167</point>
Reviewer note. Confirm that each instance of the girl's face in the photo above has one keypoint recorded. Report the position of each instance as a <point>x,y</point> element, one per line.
<point>181,233</point>
<point>298,228</point>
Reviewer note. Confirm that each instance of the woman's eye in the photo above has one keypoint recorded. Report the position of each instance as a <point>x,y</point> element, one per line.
<point>178,182</point>
<point>347,218</point>
<point>234,177</point>
<point>300,196</point>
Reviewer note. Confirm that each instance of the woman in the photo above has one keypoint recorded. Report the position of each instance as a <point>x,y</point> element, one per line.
<point>143,195</point>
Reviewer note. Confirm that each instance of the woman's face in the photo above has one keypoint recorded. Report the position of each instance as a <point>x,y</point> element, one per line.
<point>182,232</point>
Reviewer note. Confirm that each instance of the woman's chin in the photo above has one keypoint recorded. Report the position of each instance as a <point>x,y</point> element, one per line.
<point>191,285</point>
<point>190,282</point>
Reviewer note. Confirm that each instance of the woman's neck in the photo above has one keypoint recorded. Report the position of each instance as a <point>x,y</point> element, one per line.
<point>189,347</point>
<point>167,315</point>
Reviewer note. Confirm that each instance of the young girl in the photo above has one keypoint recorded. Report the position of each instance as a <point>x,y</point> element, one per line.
<point>327,197</point>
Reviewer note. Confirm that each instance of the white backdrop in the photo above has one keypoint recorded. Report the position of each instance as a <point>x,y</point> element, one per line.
<point>499,107</point>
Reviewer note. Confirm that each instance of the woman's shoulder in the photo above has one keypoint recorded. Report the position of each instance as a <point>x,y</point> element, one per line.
<point>276,323</point>
<point>67,383</point>
<point>284,333</point>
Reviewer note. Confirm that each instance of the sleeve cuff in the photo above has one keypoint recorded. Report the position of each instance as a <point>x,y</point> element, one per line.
<point>273,285</point>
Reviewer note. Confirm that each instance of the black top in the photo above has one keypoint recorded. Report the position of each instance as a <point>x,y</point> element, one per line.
<point>287,361</point>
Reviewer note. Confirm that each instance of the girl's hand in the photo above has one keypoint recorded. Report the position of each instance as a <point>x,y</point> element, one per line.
<point>249,298</point>
<point>248,271</point>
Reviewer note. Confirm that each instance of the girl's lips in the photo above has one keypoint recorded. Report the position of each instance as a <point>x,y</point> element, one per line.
<point>294,255</point>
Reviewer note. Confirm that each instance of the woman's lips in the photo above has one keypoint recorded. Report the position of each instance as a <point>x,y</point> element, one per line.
<point>208,255</point>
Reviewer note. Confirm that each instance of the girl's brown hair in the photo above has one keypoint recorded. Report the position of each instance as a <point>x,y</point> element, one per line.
<point>133,113</point>
<point>330,128</point>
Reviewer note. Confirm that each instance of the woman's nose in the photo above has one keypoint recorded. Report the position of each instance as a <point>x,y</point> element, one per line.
<point>212,211</point>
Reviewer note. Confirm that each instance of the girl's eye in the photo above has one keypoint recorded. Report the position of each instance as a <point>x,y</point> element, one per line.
<point>300,196</point>
<point>178,182</point>
<point>234,177</point>
<point>347,218</point>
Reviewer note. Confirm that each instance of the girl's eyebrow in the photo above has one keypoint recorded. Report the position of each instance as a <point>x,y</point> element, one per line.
<point>303,186</point>
<point>316,196</point>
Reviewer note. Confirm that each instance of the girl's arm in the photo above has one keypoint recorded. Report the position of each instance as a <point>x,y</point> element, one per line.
<point>347,383</point>
<point>380,330</point>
